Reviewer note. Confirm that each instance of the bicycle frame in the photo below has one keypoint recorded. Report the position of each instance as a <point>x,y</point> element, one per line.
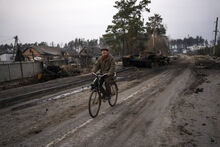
<point>96,103</point>
<point>98,86</point>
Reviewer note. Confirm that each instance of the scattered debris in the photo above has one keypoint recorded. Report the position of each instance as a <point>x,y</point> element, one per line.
<point>212,140</point>
<point>198,90</point>
<point>207,81</point>
<point>112,126</point>
<point>214,117</point>
<point>71,70</point>
<point>184,130</point>
<point>186,124</point>
<point>37,131</point>
<point>53,72</point>
<point>201,67</point>
<point>201,74</point>
<point>192,119</point>
<point>207,62</point>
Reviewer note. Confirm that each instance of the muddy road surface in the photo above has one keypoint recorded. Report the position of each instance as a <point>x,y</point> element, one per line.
<point>173,105</point>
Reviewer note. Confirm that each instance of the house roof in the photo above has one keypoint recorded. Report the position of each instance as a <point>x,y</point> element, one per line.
<point>72,52</point>
<point>44,50</point>
<point>94,51</point>
<point>84,52</point>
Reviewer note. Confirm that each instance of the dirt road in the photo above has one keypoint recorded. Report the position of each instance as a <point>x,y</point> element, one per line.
<point>175,105</point>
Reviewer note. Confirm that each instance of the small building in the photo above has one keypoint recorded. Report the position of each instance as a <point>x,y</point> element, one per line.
<point>92,52</point>
<point>71,56</point>
<point>85,57</point>
<point>7,57</point>
<point>42,53</point>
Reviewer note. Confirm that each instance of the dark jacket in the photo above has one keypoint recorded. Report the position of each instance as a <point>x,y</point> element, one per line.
<point>105,66</point>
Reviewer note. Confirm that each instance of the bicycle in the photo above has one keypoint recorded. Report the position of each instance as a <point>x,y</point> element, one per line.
<point>97,96</point>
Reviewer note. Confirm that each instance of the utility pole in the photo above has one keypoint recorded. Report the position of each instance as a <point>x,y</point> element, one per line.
<point>15,46</point>
<point>216,32</point>
<point>17,57</point>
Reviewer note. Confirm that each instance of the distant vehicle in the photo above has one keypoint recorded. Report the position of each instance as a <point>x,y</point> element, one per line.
<point>38,58</point>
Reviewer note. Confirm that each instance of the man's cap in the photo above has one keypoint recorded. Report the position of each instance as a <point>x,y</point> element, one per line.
<point>104,49</point>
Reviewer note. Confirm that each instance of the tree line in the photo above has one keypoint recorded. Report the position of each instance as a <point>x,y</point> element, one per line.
<point>78,43</point>
<point>74,44</point>
<point>210,50</point>
<point>187,42</point>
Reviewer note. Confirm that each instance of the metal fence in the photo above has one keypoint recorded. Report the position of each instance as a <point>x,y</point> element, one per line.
<point>209,51</point>
<point>19,70</point>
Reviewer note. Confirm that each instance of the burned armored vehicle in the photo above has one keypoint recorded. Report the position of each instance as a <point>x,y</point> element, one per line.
<point>145,59</point>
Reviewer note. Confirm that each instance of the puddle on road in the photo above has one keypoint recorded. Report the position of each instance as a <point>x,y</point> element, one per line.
<point>119,78</point>
<point>75,91</point>
<point>31,104</point>
<point>68,94</point>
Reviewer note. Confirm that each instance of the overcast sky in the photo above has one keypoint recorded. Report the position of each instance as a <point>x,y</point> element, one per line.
<point>63,20</point>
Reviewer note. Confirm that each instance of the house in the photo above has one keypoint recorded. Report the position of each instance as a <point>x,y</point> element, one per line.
<point>42,53</point>
<point>83,58</point>
<point>86,55</point>
<point>91,52</point>
<point>7,57</point>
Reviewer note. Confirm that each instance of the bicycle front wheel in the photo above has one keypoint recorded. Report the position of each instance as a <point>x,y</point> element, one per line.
<point>114,95</point>
<point>94,104</point>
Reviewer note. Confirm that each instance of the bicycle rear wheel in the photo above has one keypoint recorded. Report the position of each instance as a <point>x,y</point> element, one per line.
<point>94,104</point>
<point>114,95</point>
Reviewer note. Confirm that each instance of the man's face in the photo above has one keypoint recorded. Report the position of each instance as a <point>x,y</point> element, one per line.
<point>104,53</point>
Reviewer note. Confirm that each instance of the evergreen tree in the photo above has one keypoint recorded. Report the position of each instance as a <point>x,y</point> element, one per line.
<point>155,25</point>
<point>127,25</point>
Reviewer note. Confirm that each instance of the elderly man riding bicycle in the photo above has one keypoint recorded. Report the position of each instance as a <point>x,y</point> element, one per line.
<point>106,65</point>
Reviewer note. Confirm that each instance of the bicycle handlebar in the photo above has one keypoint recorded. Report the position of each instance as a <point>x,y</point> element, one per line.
<point>101,75</point>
